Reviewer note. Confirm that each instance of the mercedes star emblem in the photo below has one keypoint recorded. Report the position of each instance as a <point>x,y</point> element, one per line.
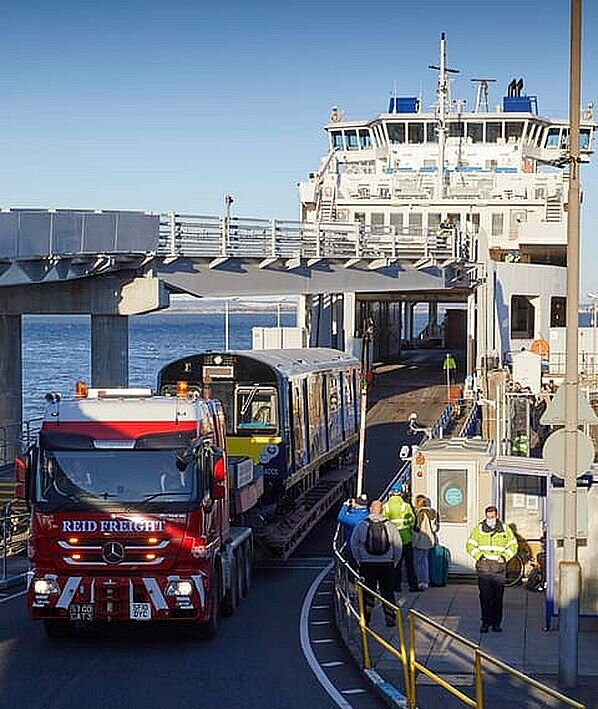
<point>113,552</point>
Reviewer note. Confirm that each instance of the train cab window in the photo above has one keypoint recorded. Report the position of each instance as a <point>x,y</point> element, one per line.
<point>256,408</point>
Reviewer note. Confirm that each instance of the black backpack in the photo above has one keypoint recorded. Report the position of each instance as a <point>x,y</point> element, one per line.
<point>377,542</point>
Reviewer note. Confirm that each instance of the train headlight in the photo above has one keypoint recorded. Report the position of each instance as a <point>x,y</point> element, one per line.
<point>46,587</point>
<point>179,588</point>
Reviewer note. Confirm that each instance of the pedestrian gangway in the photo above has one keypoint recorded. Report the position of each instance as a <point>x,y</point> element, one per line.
<point>43,246</point>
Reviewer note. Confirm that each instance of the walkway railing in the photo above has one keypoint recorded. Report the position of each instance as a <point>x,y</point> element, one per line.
<point>349,595</point>
<point>16,438</point>
<point>233,237</point>
<point>14,530</point>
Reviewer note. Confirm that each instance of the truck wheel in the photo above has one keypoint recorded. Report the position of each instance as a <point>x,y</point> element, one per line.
<point>247,558</point>
<point>58,629</point>
<point>207,630</point>
<point>231,600</point>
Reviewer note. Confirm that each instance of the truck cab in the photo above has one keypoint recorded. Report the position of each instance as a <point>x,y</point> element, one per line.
<point>129,499</point>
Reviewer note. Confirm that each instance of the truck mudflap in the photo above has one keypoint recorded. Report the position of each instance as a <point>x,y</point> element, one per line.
<point>107,599</point>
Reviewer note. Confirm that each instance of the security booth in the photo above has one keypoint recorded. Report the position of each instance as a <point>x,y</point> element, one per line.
<point>527,494</point>
<point>452,473</point>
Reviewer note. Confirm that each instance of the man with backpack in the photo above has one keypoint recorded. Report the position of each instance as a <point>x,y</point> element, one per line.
<point>376,546</point>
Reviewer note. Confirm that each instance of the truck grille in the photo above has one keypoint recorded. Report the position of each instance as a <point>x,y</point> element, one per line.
<point>112,552</point>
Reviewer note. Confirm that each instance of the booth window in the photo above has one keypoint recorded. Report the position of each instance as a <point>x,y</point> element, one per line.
<point>522,317</point>
<point>452,494</point>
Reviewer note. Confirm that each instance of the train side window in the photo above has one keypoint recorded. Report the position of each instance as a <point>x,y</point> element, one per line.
<point>256,408</point>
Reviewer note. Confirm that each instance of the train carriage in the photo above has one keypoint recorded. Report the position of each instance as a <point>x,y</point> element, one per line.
<point>291,411</point>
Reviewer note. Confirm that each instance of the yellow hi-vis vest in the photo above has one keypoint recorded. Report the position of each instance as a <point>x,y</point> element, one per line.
<point>400,513</point>
<point>492,545</point>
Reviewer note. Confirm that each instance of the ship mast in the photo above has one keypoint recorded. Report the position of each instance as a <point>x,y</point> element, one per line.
<point>442,95</point>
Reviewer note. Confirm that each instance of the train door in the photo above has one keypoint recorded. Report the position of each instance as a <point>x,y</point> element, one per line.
<point>453,490</point>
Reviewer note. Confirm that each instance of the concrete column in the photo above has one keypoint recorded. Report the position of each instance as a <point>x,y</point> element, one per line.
<point>432,316</point>
<point>109,351</point>
<point>11,395</point>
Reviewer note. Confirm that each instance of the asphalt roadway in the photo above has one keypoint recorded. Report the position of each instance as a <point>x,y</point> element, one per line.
<point>279,649</point>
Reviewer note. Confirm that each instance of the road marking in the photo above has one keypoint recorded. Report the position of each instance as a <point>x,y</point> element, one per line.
<point>320,622</point>
<point>320,608</point>
<point>353,691</point>
<point>332,691</point>
<point>322,641</point>
<point>14,595</point>
<point>334,663</point>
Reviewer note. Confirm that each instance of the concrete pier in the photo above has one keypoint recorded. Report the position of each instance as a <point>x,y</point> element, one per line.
<point>109,350</point>
<point>11,405</point>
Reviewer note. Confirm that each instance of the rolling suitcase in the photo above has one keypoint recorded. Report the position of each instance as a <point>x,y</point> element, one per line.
<point>438,562</point>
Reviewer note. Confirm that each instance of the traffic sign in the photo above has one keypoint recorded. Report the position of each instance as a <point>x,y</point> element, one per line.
<point>555,411</point>
<point>554,452</point>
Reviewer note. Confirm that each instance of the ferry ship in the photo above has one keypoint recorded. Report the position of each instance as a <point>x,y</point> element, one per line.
<point>488,186</point>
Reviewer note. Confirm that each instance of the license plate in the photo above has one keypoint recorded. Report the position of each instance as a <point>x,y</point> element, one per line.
<point>81,611</point>
<point>141,611</point>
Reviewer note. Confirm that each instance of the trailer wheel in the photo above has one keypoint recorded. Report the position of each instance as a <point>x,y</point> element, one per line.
<point>58,629</point>
<point>248,568</point>
<point>231,599</point>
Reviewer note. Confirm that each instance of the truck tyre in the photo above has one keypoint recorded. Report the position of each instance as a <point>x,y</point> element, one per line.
<point>230,601</point>
<point>58,629</point>
<point>247,558</point>
<point>207,630</point>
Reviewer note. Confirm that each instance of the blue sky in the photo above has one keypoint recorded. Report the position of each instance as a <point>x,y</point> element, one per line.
<point>169,105</point>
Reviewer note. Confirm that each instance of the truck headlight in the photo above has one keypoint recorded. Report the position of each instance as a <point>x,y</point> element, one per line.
<point>179,588</point>
<point>46,587</point>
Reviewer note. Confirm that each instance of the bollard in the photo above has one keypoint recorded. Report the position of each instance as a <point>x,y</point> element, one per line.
<point>569,589</point>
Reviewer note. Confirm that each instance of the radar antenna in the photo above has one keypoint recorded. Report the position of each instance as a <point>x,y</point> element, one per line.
<point>482,94</point>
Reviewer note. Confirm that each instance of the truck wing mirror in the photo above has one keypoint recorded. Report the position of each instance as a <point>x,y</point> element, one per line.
<point>220,479</point>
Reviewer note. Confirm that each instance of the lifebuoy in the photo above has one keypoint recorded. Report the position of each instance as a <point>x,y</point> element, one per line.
<point>540,347</point>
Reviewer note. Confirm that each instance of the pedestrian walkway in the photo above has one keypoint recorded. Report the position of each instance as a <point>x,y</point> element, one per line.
<point>523,645</point>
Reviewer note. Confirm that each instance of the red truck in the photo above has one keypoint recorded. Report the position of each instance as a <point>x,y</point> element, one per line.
<point>131,500</point>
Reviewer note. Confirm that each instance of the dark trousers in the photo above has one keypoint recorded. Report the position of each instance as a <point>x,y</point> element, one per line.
<point>380,578</point>
<point>492,588</point>
<point>407,558</point>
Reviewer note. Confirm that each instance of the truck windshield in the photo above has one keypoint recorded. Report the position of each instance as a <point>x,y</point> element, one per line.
<point>113,476</point>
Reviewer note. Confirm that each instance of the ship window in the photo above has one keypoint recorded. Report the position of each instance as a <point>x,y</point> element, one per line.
<point>351,139</point>
<point>415,223</point>
<point>513,130</point>
<point>497,224</point>
<point>337,140</point>
<point>377,222</point>
<point>475,132</point>
<point>558,311</point>
<point>434,219</point>
<point>522,317</point>
<point>455,219</point>
<point>552,138</point>
<point>396,221</point>
<point>584,139</point>
<point>493,131</point>
<point>365,139</point>
<point>455,129</point>
<point>396,132</point>
<point>431,134</point>
<point>415,132</point>
<point>564,144</point>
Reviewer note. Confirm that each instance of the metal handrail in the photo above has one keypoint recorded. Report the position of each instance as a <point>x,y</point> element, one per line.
<point>12,524</point>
